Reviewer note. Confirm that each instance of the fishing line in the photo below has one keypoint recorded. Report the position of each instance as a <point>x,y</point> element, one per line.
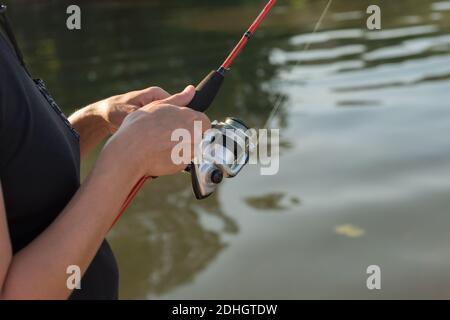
<point>279,100</point>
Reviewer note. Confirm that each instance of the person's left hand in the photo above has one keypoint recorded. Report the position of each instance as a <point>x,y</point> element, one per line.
<point>114,109</point>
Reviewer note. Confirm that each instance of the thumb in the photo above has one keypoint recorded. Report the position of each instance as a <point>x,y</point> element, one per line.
<point>183,98</point>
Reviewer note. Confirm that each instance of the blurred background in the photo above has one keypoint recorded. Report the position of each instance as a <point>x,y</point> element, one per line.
<point>365,126</point>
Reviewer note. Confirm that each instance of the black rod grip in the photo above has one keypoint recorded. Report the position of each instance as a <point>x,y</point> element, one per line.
<point>206,91</point>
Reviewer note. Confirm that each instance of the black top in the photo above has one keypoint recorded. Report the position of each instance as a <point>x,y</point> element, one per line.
<point>40,168</point>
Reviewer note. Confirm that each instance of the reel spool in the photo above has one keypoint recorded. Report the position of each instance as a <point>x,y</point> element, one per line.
<point>223,152</point>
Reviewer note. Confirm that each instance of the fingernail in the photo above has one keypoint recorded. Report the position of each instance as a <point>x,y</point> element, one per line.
<point>187,88</point>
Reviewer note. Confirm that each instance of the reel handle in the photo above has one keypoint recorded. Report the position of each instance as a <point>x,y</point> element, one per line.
<point>206,91</point>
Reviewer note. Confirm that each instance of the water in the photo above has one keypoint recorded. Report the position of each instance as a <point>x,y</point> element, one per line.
<point>365,118</point>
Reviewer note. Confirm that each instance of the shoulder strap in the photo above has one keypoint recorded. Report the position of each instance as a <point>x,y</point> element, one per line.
<point>8,34</point>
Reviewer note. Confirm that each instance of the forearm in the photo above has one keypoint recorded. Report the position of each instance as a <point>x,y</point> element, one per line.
<point>141,147</point>
<point>91,126</point>
<point>39,270</point>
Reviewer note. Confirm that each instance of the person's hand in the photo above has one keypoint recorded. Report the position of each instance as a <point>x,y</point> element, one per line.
<point>113,110</point>
<point>143,141</point>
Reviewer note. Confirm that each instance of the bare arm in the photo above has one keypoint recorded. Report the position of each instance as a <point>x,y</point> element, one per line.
<point>91,126</point>
<point>5,244</point>
<point>39,270</point>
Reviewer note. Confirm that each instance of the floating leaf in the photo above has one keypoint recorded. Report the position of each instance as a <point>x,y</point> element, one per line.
<point>349,230</point>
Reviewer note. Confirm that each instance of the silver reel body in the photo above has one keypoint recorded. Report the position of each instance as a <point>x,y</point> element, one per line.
<point>223,152</point>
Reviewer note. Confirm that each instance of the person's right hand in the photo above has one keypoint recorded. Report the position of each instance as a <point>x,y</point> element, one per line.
<point>144,138</point>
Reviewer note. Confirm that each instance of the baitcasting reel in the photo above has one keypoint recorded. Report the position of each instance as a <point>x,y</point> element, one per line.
<point>223,152</point>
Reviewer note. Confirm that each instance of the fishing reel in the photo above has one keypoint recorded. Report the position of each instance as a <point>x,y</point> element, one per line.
<point>223,152</point>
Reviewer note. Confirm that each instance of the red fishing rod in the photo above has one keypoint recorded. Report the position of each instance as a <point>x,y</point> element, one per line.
<point>208,88</point>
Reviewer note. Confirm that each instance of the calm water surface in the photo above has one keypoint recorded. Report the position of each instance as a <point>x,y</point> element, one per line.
<point>365,125</point>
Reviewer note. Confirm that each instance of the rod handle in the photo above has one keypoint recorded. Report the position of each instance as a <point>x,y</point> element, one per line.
<point>206,91</point>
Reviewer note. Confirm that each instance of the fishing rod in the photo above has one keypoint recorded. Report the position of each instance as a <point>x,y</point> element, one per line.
<point>208,88</point>
<point>207,175</point>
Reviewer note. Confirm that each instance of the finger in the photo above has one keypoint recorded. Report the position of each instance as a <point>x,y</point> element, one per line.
<point>127,108</point>
<point>183,98</point>
<point>206,123</point>
<point>116,116</point>
<point>198,116</point>
<point>148,95</point>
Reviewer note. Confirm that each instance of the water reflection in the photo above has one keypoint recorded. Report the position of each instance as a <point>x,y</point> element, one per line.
<point>173,239</point>
<point>401,32</point>
<point>410,48</point>
<point>272,202</point>
<point>441,6</point>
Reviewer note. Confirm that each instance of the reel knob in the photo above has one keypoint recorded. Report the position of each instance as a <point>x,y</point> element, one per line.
<point>216,176</point>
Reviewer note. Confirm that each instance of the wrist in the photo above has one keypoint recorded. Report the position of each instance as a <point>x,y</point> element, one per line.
<point>122,154</point>
<point>96,112</point>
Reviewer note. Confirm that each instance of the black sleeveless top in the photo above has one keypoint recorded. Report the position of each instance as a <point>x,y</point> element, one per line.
<point>40,167</point>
